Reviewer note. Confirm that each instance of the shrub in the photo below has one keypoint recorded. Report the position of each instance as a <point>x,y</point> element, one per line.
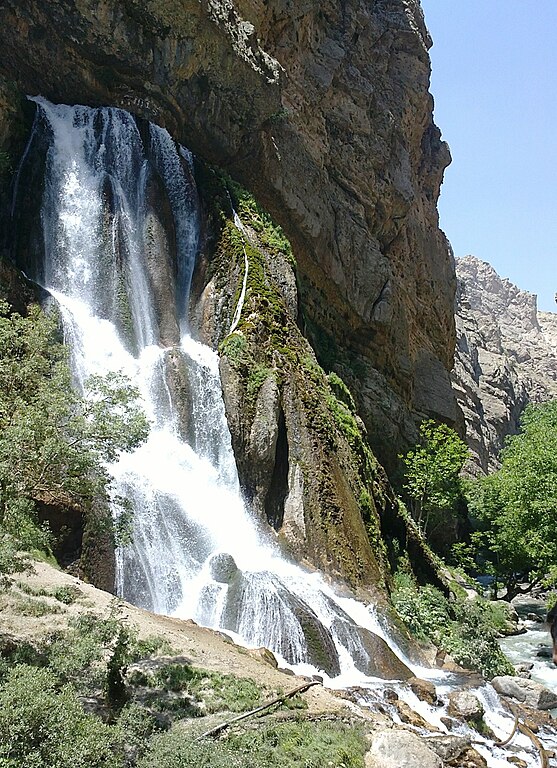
<point>42,727</point>
<point>467,629</point>
<point>302,744</point>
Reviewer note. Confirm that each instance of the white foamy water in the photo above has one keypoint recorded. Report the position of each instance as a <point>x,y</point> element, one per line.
<point>119,265</point>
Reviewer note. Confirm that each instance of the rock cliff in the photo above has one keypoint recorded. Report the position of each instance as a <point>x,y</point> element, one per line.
<point>322,110</point>
<point>506,357</point>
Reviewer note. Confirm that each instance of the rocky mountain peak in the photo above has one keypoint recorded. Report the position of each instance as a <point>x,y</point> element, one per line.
<point>506,357</point>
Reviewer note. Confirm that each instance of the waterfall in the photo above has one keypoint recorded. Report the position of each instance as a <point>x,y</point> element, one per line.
<point>120,220</point>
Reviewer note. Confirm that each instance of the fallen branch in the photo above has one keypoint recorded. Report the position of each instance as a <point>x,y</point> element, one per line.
<point>278,700</point>
<point>523,728</point>
<point>502,742</point>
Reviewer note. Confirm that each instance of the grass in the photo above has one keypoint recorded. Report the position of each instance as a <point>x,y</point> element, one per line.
<point>299,744</point>
<point>29,606</point>
<point>210,691</point>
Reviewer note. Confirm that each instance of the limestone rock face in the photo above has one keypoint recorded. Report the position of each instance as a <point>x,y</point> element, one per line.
<point>322,110</point>
<point>506,357</point>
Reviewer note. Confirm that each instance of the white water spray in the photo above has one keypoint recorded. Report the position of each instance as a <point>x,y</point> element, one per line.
<point>121,227</point>
<point>196,550</point>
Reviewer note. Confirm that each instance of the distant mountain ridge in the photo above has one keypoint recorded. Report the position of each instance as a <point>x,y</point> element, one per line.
<point>505,357</point>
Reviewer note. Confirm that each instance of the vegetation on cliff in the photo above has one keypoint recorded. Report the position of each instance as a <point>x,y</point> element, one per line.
<point>432,483</point>
<point>465,628</point>
<point>54,443</point>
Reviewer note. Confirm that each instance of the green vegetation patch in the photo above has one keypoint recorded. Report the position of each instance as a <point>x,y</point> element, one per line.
<point>270,234</point>
<point>286,745</point>
<point>207,691</point>
<point>467,629</point>
<point>44,726</point>
<point>54,444</point>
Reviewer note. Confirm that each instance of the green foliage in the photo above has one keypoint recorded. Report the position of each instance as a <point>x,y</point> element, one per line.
<point>288,745</point>
<point>66,594</point>
<point>11,561</point>
<point>432,485</point>
<point>234,347</point>
<point>217,692</point>
<point>32,607</point>
<point>516,507</point>
<point>42,726</point>
<point>257,375</point>
<point>53,442</point>
<point>467,629</point>
<point>270,234</point>
<point>341,391</point>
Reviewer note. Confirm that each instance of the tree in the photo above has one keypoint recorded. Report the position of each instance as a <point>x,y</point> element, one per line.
<point>54,443</point>
<point>516,507</point>
<point>432,484</point>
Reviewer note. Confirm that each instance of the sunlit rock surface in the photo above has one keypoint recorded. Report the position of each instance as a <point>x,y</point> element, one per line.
<point>506,357</point>
<point>323,111</point>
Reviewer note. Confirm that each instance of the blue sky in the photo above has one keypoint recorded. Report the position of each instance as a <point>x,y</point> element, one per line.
<point>494,81</point>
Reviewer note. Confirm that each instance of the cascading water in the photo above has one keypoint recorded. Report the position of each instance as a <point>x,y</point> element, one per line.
<point>121,227</point>
<point>120,220</point>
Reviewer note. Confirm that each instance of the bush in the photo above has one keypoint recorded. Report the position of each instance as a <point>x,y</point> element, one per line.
<point>42,727</point>
<point>302,744</point>
<point>467,629</point>
<point>54,444</point>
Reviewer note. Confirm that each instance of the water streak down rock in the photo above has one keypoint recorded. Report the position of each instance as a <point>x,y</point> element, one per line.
<point>323,111</point>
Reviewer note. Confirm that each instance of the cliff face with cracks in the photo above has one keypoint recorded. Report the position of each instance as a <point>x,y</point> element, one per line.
<point>506,357</point>
<point>322,110</point>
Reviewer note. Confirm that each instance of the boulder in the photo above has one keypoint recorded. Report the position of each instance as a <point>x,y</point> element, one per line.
<point>424,689</point>
<point>223,567</point>
<point>528,692</point>
<point>448,747</point>
<point>523,670</point>
<point>465,706</point>
<point>400,749</point>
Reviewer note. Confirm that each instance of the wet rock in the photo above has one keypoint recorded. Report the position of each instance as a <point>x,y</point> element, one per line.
<point>544,652</point>
<point>513,760</point>
<point>527,606</point>
<point>409,716</point>
<point>523,670</point>
<point>371,654</point>
<point>265,655</point>
<point>400,749</point>
<point>424,689</point>
<point>244,593</point>
<point>470,758</point>
<point>465,706</point>
<point>448,747</point>
<point>535,618</point>
<point>527,692</point>
<point>321,649</point>
<point>223,567</point>
<point>262,446</point>
<point>450,723</point>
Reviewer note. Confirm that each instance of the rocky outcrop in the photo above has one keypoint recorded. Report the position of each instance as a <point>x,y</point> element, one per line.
<point>301,448</point>
<point>506,357</point>
<point>323,111</point>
